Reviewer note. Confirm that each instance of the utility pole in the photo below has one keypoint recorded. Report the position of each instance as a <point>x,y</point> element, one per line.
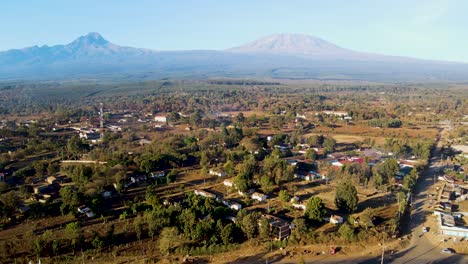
<point>383,248</point>
<point>101,118</point>
<point>271,242</point>
<point>398,197</point>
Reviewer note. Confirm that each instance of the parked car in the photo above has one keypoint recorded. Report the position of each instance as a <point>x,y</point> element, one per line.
<point>448,251</point>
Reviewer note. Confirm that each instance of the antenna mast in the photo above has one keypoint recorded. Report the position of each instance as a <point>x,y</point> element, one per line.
<point>101,117</point>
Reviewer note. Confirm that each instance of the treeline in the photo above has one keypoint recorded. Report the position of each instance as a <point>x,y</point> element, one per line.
<point>388,123</point>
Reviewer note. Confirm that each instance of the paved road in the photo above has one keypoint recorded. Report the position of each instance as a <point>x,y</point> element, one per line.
<point>421,250</point>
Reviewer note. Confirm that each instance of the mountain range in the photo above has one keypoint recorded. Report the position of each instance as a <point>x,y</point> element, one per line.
<point>286,56</point>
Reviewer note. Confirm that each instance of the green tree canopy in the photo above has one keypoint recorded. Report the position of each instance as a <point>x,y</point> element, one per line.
<point>346,198</point>
<point>315,209</point>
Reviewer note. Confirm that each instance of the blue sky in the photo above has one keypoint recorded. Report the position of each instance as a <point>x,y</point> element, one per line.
<point>431,29</point>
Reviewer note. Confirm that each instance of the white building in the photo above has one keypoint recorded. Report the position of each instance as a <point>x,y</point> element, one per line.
<point>235,206</point>
<point>161,119</point>
<point>157,174</point>
<point>217,173</point>
<point>336,113</point>
<point>299,206</point>
<point>228,183</point>
<point>259,196</point>
<point>204,194</point>
<point>336,219</point>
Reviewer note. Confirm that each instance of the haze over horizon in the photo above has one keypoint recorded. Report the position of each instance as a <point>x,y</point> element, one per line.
<point>432,31</point>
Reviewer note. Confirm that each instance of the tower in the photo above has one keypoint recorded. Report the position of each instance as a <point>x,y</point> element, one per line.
<point>101,118</point>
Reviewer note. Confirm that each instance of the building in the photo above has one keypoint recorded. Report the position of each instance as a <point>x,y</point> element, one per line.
<point>160,119</point>
<point>299,206</point>
<point>144,141</point>
<point>51,180</point>
<point>86,211</point>
<point>235,206</point>
<point>335,113</point>
<point>232,205</point>
<point>336,219</point>
<point>157,174</point>
<point>448,225</point>
<point>106,194</point>
<point>90,135</point>
<point>280,228</point>
<point>259,196</point>
<point>228,183</point>
<point>205,194</point>
<point>46,189</point>
<point>138,178</point>
<point>217,173</point>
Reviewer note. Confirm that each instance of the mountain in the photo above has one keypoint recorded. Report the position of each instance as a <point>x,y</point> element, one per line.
<point>292,44</point>
<point>294,56</point>
<point>91,46</point>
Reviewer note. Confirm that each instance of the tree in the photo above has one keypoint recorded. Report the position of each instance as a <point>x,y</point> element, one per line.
<point>72,231</point>
<point>346,198</point>
<point>346,232</point>
<point>171,176</point>
<point>70,200</point>
<point>264,229</point>
<point>410,180</point>
<point>315,209</point>
<point>227,234</point>
<point>97,242</point>
<point>284,196</point>
<point>367,218</point>
<point>38,246</point>
<point>249,225</point>
<point>315,140</point>
<point>10,200</point>
<point>40,168</point>
<point>299,231</point>
<point>329,144</point>
<point>240,118</point>
<point>52,168</point>
<point>243,182</point>
<point>311,154</point>
<point>138,226</point>
<point>74,147</point>
<point>229,168</point>
<point>152,197</point>
<point>266,184</point>
<point>169,239</point>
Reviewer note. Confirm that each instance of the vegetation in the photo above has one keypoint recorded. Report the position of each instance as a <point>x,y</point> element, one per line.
<point>139,176</point>
<point>346,197</point>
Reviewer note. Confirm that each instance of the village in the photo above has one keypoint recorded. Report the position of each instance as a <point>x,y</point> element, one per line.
<point>270,178</point>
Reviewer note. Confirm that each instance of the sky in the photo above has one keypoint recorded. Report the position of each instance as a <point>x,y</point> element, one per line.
<point>428,29</point>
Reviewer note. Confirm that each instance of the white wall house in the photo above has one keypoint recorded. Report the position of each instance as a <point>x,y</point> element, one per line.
<point>217,173</point>
<point>259,196</point>
<point>228,183</point>
<point>161,119</point>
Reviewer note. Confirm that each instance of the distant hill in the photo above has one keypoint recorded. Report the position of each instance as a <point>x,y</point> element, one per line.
<point>294,56</point>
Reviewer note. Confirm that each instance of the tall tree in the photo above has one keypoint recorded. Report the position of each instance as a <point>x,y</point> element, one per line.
<point>315,209</point>
<point>346,198</point>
